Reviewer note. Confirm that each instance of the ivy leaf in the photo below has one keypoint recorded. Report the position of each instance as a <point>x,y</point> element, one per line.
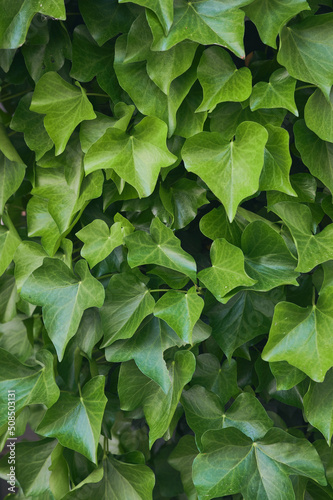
<point>277,93</point>
<point>221,80</point>
<point>216,225</point>
<point>32,126</point>
<point>204,411</point>
<point>64,105</point>
<point>8,298</point>
<point>318,115</point>
<point>99,240</point>
<point>33,384</point>
<point>180,311</point>
<point>127,303</point>
<point>286,376</point>
<point>227,271</point>
<point>63,297</point>
<point>277,162</point>
<point>194,21</point>
<point>160,247</point>
<point>300,336</point>
<point>137,158</point>
<point>135,389</point>
<point>15,22</point>
<point>316,154</point>
<point>306,50</point>
<point>9,241</point>
<point>146,347</point>
<point>233,463</point>
<point>270,16</point>
<point>12,174</point>
<point>181,459</point>
<point>318,406</point>
<point>162,8</point>
<point>87,409</point>
<point>312,249</point>
<point>238,162</point>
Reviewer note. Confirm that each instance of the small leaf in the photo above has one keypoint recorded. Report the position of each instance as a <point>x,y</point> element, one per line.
<point>9,241</point>
<point>162,8</point>
<point>181,459</point>
<point>318,406</point>
<point>318,115</point>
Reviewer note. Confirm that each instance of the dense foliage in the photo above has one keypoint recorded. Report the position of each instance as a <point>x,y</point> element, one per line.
<point>166,248</point>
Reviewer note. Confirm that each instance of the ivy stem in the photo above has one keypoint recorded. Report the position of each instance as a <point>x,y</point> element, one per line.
<point>105,276</point>
<point>14,95</point>
<point>79,390</point>
<point>314,296</point>
<point>167,290</point>
<point>305,87</point>
<point>97,95</point>
<point>106,446</point>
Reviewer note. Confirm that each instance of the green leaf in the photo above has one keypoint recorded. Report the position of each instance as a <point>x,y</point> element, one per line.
<point>181,459</point>
<point>99,240</point>
<point>318,406</point>
<point>313,249</point>
<point>233,463</point>
<point>33,384</point>
<point>194,21</point>
<point>135,389</point>
<point>63,297</point>
<point>9,241</point>
<point>32,126</point>
<point>14,338</point>
<point>286,376</point>
<point>15,20</point>
<point>146,347</point>
<point>277,93</point>
<point>238,162</point>
<point>160,247</point>
<point>306,51</point>
<point>189,122</point>
<point>221,80</point>
<point>84,414</point>
<point>318,114</point>
<point>216,225</point>
<point>301,337</point>
<point>227,271</point>
<point>277,162</point>
<point>136,157</point>
<point>127,303</point>
<point>64,105</point>
<point>12,174</point>
<point>8,298</point>
<point>270,16</point>
<point>162,8</point>
<point>316,154</point>
<point>181,311</point>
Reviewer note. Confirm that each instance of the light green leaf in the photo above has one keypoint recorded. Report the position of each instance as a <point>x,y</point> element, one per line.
<point>33,384</point>
<point>316,154</point>
<point>195,21</point>
<point>162,8</point>
<point>277,93</point>
<point>221,80</point>
<point>181,311</point>
<point>181,459</point>
<point>11,174</point>
<point>270,16</point>
<point>230,169</point>
<point>318,406</point>
<point>146,347</point>
<point>277,162</point>
<point>9,241</point>
<point>15,20</point>
<point>160,247</point>
<point>313,249</point>
<point>127,303</point>
<point>227,271</point>
<point>64,105</point>
<point>233,463</point>
<point>189,122</point>
<point>318,115</point>
<point>76,421</point>
<point>306,50</point>
<point>136,157</point>
<point>99,240</point>
<point>14,338</point>
<point>204,411</point>
<point>286,375</point>
<point>135,389</point>
<point>301,336</point>
<point>63,296</point>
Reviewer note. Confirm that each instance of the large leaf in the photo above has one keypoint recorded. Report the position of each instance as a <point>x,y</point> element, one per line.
<point>221,80</point>
<point>318,115</point>
<point>76,421</point>
<point>301,336</point>
<point>233,463</point>
<point>64,105</point>
<point>16,18</point>
<point>195,21</point>
<point>64,297</point>
<point>135,389</point>
<point>306,50</point>
<point>318,406</point>
<point>230,169</point>
<point>270,16</point>
<point>33,384</point>
<point>136,157</point>
<point>161,247</point>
